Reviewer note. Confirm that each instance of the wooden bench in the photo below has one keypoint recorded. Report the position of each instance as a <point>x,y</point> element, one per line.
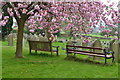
<point>90,51</point>
<point>42,46</point>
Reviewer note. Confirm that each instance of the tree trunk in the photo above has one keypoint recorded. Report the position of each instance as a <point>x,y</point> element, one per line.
<point>19,40</point>
<point>47,33</point>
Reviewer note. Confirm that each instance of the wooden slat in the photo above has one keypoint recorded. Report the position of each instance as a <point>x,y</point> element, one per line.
<point>45,50</point>
<point>75,46</point>
<point>85,51</point>
<point>108,56</point>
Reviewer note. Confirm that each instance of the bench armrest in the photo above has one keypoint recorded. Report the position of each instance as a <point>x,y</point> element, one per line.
<point>111,52</point>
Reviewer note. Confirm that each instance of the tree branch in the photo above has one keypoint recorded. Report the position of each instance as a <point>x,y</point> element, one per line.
<point>15,15</point>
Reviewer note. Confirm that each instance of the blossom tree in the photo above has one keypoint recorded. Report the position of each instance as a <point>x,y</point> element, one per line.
<point>81,17</point>
<point>31,12</point>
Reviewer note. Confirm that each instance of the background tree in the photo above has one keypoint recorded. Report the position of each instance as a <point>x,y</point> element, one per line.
<point>8,27</point>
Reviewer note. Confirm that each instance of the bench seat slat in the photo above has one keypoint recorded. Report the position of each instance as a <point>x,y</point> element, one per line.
<point>76,46</point>
<point>74,50</point>
<point>108,56</point>
<point>44,50</point>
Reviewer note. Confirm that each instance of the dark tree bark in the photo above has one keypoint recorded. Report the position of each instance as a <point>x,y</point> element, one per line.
<point>19,40</point>
<point>19,45</point>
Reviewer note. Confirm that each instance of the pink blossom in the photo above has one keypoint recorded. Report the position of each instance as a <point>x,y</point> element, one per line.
<point>61,30</point>
<point>11,14</point>
<point>30,26</point>
<point>2,23</point>
<point>88,41</point>
<point>73,32</point>
<point>55,11</point>
<point>89,37</point>
<point>83,41</point>
<point>50,38</point>
<point>37,7</point>
<point>77,29</point>
<point>44,13</point>
<point>20,5</point>
<point>74,35</point>
<point>83,9</point>
<point>52,35</point>
<point>57,26</point>
<point>54,20</point>
<point>92,14</point>
<point>115,37</point>
<point>81,37</point>
<point>49,31</point>
<point>97,31</point>
<point>116,32</point>
<point>0,16</point>
<point>114,26</point>
<point>56,31</point>
<point>101,26</point>
<point>105,36</point>
<point>24,11</point>
<point>9,9</point>
<point>53,40</point>
<point>40,27</point>
<point>37,14</point>
<point>25,24</point>
<point>110,30</point>
<point>32,30</point>
<point>39,19</point>
<point>69,26</point>
<point>6,17</point>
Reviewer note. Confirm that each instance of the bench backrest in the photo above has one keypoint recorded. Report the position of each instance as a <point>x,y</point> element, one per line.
<point>91,49</point>
<point>40,45</point>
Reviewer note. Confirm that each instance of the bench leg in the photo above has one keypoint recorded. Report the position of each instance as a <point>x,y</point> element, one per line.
<point>30,51</point>
<point>112,59</point>
<point>35,51</point>
<point>67,54</point>
<point>57,53</point>
<point>51,53</point>
<point>74,54</point>
<point>105,61</point>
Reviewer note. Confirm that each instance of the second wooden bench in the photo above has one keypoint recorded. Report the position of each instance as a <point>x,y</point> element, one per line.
<point>91,52</point>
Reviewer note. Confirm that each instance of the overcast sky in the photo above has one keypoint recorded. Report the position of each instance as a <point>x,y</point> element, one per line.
<point>111,1</point>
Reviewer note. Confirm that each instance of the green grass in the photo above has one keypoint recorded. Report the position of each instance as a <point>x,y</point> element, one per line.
<point>96,35</point>
<point>43,65</point>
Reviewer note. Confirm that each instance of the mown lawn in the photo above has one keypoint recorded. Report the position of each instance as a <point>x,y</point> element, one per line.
<point>42,65</point>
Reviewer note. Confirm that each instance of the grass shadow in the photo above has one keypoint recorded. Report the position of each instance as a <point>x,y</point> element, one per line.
<point>86,61</point>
